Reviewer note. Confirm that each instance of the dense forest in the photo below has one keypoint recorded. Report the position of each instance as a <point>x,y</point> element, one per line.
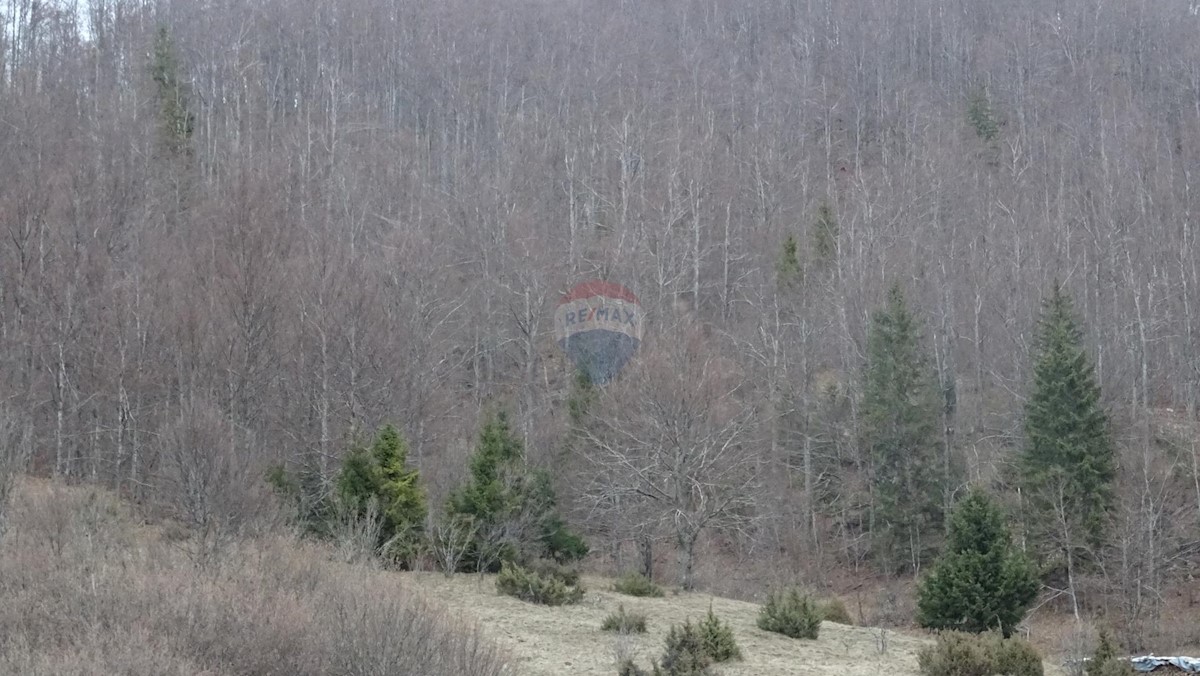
<point>239,234</point>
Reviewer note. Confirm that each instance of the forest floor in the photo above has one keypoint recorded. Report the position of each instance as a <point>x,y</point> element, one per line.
<point>567,640</point>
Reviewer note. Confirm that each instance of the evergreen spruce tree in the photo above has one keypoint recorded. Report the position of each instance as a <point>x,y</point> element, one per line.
<point>1068,464</point>
<point>560,542</point>
<point>513,510</point>
<point>981,117</point>
<point>356,481</point>
<point>579,402</point>
<point>306,494</point>
<point>788,272</point>
<point>557,540</point>
<point>401,496</point>
<point>825,234</point>
<point>176,121</point>
<point>1106,662</point>
<point>493,488</point>
<point>381,473</point>
<point>981,582</point>
<point>901,408</point>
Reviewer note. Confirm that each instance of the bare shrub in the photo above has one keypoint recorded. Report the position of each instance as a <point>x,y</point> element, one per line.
<point>450,541</point>
<point>207,482</point>
<point>14,455</point>
<point>356,535</point>
<point>114,598</point>
<point>1076,647</point>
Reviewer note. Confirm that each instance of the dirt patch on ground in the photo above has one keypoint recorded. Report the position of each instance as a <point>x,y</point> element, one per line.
<point>567,640</point>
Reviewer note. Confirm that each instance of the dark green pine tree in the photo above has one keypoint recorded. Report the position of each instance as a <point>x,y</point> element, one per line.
<point>513,511</point>
<point>1106,662</point>
<point>981,582</point>
<point>176,121</point>
<point>560,542</point>
<point>901,409</point>
<point>825,234</point>
<point>401,496</point>
<point>493,489</point>
<point>579,404</point>
<point>381,474</point>
<point>981,117</point>
<point>557,540</point>
<point>1068,464</point>
<point>305,492</point>
<point>788,273</point>
<point>356,481</point>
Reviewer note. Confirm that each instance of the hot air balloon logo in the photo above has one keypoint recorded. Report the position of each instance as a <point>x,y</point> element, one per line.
<point>599,325</point>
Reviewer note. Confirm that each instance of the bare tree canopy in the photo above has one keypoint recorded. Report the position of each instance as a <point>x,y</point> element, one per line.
<point>263,226</point>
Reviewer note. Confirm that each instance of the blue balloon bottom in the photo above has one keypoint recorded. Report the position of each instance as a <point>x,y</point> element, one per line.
<point>600,353</point>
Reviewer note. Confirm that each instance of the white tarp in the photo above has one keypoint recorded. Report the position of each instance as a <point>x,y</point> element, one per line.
<point>1148,663</point>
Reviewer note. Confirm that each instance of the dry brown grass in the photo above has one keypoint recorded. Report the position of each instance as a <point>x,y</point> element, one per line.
<point>85,590</point>
<point>86,587</point>
<point>568,640</point>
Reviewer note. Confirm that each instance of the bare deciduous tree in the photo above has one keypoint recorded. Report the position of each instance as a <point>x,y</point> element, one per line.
<point>674,439</point>
<point>379,200</point>
<point>14,456</point>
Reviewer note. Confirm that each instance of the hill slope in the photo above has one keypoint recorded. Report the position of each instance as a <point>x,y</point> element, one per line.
<point>548,641</point>
<point>86,587</point>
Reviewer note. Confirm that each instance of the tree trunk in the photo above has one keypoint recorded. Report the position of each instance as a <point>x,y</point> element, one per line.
<point>1071,584</point>
<point>687,561</point>
<point>62,464</point>
<point>645,545</point>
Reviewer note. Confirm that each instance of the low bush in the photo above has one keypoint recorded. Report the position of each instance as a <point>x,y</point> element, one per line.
<point>527,585</point>
<point>718,639</point>
<point>551,569</point>
<point>792,614</point>
<point>959,654</point>
<point>686,654</point>
<point>955,654</point>
<point>624,622</point>
<point>636,584</point>
<point>1014,656</point>
<point>834,610</point>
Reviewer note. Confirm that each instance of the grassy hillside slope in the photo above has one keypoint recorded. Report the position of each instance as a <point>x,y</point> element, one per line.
<point>567,640</point>
<point>86,588</point>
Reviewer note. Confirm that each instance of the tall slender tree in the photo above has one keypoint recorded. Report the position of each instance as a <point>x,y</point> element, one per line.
<point>1068,464</point>
<point>788,272</point>
<point>402,497</point>
<point>825,235</point>
<point>981,116</point>
<point>511,509</point>
<point>381,474</point>
<point>176,120</point>
<point>900,410</point>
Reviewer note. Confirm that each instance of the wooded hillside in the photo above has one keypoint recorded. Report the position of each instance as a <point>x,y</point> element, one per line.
<point>243,233</point>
